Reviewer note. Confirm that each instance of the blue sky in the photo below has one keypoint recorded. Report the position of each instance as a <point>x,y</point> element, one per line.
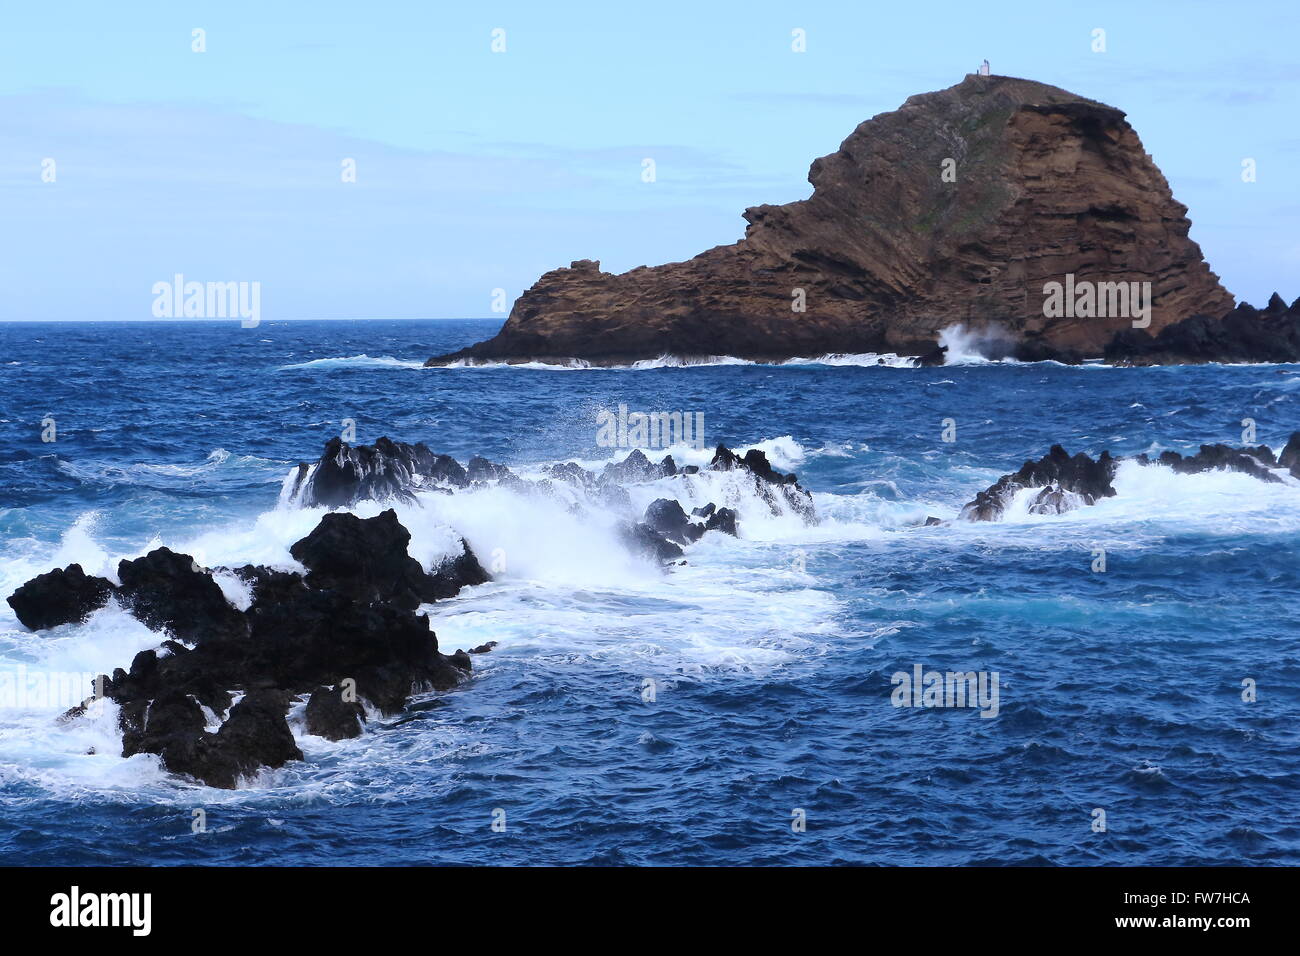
<point>479,170</point>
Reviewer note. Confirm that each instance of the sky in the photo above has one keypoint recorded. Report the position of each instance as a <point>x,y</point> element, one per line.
<point>479,170</point>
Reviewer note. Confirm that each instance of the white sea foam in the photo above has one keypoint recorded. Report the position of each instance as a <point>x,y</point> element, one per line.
<point>832,359</point>
<point>354,361</point>
<point>1151,503</point>
<point>975,346</point>
<point>566,589</point>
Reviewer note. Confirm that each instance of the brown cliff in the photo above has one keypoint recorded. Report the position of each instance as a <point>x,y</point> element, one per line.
<point>888,253</point>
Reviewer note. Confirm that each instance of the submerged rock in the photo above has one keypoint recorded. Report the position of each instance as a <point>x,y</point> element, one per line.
<point>62,596</point>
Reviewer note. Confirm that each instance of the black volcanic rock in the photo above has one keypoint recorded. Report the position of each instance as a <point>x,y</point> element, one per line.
<point>1067,481</point>
<point>724,520</point>
<point>62,596</point>
<point>387,470</point>
<point>480,469</point>
<point>769,484</point>
<point>366,559</point>
<point>1290,455</point>
<point>255,735</point>
<point>348,623</point>
<point>1071,482</point>
<point>666,517</point>
<point>270,585</point>
<point>455,573</point>
<point>1245,334</point>
<point>573,473</point>
<point>1251,461</point>
<point>325,637</point>
<point>643,540</point>
<point>932,359</point>
<point>169,590</point>
<point>637,467</point>
<point>332,717</point>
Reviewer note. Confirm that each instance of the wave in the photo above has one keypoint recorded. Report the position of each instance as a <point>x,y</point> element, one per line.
<point>1152,504</point>
<point>830,359</point>
<point>976,346</point>
<point>354,361</point>
<point>171,476</point>
<point>566,588</point>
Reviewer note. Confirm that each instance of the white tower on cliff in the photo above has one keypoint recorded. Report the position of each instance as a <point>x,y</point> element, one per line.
<point>984,68</point>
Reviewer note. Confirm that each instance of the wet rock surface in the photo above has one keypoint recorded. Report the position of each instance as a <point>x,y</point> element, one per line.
<point>330,714</point>
<point>62,596</point>
<point>1070,482</point>
<point>212,701</point>
<point>345,474</point>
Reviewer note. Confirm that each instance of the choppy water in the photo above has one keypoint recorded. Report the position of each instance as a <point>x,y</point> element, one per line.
<point>771,655</point>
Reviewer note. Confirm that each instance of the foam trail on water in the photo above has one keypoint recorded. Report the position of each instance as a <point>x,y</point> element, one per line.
<point>831,359</point>
<point>354,361</point>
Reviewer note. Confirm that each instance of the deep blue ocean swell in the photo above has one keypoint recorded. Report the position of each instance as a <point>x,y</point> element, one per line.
<point>771,656</point>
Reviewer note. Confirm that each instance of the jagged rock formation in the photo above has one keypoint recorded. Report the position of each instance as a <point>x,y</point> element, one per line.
<point>213,700</point>
<point>366,559</point>
<point>346,632</point>
<point>1074,482</point>
<point>1245,334</point>
<point>888,251</point>
<point>62,596</point>
<point>345,474</point>
<point>388,470</point>
<point>1254,461</point>
<point>1067,483</point>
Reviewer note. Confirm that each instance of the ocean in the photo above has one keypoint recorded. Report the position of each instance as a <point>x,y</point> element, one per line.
<point>737,710</point>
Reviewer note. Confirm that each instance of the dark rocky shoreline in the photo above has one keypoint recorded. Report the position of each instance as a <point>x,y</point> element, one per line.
<point>212,700</point>
<point>345,634</point>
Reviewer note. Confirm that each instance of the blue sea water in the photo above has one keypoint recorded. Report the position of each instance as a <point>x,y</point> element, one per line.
<point>770,655</point>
